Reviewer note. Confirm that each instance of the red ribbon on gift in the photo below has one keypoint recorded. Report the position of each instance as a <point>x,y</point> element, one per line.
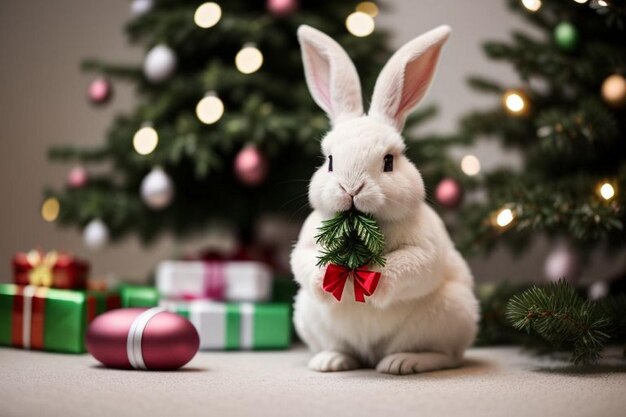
<point>28,316</point>
<point>365,282</point>
<point>29,307</point>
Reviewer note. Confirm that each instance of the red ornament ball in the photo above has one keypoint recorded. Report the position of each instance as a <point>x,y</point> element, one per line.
<point>100,91</point>
<point>449,193</point>
<point>251,166</point>
<point>282,8</point>
<point>139,338</point>
<point>77,177</point>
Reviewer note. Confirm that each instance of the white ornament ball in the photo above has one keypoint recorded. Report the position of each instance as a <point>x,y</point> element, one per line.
<point>157,189</point>
<point>562,263</point>
<point>140,7</point>
<point>96,234</point>
<point>160,63</point>
<point>598,290</point>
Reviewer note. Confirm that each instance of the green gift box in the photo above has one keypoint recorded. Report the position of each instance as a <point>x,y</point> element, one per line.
<point>138,296</point>
<point>42,318</point>
<point>230,326</point>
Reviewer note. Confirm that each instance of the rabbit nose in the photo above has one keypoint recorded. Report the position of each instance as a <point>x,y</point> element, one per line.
<point>352,192</point>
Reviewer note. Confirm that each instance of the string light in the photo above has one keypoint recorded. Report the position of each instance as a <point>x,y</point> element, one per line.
<point>602,3</point>
<point>614,90</point>
<point>249,59</point>
<point>515,102</point>
<point>368,7</point>
<point>581,1</point>
<point>470,165</point>
<point>207,15</point>
<point>145,140</point>
<point>606,190</point>
<point>360,24</point>
<point>505,217</point>
<point>50,209</point>
<point>210,109</point>
<point>532,5</point>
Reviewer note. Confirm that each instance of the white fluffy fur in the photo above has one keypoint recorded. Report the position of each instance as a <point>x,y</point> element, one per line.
<point>423,315</point>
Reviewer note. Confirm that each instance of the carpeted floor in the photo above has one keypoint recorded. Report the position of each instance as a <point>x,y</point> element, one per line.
<point>495,382</point>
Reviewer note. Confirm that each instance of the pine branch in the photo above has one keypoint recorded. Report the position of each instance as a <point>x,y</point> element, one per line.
<point>560,316</point>
<point>351,239</point>
<point>578,130</point>
<point>615,308</point>
<point>547,203</point>
<point>69,153</point>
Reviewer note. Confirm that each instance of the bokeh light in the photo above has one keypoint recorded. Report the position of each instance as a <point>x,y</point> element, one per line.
<point>360,24</point>
<point>470,165</point>
<point>249,59</point>
<point>210,109</point>
<point>145,140</point>
<point>207,15</point>
<point>50,209</point>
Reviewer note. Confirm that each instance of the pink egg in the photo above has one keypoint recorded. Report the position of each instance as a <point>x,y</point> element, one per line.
<point>142,338</point>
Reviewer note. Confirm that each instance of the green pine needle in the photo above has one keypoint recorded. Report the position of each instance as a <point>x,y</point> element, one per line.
<point>351,239</point>
<point>560,316</point>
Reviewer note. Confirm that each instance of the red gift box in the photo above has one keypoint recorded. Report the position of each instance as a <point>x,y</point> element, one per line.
<point>50,269</point>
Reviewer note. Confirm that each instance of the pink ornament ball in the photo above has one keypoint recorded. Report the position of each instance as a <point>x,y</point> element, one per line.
<point>282,8</point>
<point>100,91</point>
<point>139,338</point>
<point>251,166</point>
<point>77,177</point>
<point>449,193</point>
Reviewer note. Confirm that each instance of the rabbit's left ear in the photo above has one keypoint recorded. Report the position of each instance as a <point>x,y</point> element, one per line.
<point>405,78</point>
<point>330,75</point>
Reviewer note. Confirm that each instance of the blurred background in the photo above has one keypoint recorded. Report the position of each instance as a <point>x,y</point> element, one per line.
<point>43,102</point>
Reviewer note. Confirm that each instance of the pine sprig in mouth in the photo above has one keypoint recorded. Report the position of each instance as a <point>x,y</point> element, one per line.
<point>351,239</point>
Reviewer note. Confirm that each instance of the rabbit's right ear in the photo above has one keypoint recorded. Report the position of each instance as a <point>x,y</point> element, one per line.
<point>330,75</point>
<point>405,78</point>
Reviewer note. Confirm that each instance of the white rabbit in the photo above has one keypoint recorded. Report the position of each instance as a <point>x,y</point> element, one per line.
<point>423,315</point>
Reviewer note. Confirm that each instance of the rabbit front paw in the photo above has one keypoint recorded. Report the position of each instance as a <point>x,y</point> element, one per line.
<point>331,361</point>
<point>405,363</point>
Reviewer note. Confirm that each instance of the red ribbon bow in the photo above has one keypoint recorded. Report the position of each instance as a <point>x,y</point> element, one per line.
<point>365,281</point>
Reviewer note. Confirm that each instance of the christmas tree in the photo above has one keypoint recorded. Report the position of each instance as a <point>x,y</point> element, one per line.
<point>567,118</point>
<point>224,130</point>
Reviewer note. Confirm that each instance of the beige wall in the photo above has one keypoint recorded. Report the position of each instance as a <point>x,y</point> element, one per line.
<point>42,102</point>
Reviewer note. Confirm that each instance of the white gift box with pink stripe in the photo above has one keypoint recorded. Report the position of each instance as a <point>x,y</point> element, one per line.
<point>215,280</point>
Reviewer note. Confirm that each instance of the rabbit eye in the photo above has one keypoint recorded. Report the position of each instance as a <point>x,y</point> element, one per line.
<point>330,163</point>
<point>388,167</point>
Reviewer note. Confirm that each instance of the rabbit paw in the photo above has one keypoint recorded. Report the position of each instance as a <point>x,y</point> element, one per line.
<point>330,361</point>
<point>404,363</point>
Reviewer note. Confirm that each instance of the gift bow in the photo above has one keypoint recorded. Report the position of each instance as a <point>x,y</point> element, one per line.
<point>365,281</point>
<point>42,265</point>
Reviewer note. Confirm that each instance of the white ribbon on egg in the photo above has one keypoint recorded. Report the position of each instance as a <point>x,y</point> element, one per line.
<point>135,334</point>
